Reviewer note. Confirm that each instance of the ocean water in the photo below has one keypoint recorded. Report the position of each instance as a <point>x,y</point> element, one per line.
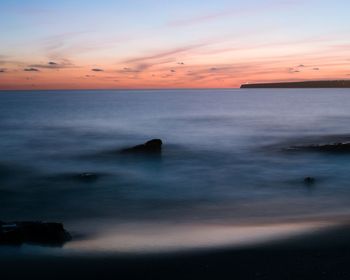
<point>223,176</point>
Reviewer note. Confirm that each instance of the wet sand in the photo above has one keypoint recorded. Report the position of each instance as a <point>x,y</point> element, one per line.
<point>322,255</point>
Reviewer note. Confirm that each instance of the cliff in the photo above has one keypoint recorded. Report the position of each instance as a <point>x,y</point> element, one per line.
<point>306,84</point>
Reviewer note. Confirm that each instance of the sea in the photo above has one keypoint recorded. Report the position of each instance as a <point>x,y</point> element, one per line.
<point>226,175</point>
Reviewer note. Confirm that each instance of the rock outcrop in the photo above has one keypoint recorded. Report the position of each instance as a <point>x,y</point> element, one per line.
<point>309,181</point>
<point>153,146</point>
<point>328,148</point>
<point>41,233</point>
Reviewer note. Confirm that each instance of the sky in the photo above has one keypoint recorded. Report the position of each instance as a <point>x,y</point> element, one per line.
<point>138,44</point>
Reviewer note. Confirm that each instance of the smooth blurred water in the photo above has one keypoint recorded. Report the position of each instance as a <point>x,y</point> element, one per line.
<point>222,162</point>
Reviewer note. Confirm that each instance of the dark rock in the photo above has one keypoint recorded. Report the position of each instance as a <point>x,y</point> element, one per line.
<point>87,177</point>
<point>153,146</point>
<point>327,148</point>
<point>17,233</point>
<point>309,180</point>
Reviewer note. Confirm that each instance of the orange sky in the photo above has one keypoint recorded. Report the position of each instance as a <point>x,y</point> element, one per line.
<point>197,48</point>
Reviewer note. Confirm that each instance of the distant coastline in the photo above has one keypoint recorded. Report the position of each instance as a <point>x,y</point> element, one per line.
<point>305,84</point>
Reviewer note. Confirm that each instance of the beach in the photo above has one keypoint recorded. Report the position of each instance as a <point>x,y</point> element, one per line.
<point>322,255</point>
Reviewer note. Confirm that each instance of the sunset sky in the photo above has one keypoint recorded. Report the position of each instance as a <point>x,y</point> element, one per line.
<point>83,44</point>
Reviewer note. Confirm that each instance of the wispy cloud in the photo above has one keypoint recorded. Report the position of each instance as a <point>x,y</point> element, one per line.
<point>6,61</point>
<point>201,19</point>
<point>236,12</point>
<point>156,60</point>
<point>72,43</point>
<point>97,70</point>
<point>56,46</point>
<point>165,54</point>
<point>31,69</point>
<point>128,70</point>
<point>54,65</point>
<point>293,70</point>
<point>142,66</point>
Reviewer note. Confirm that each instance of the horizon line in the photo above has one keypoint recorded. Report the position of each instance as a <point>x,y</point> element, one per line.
<point>126,89</point>
<point>180,88</point>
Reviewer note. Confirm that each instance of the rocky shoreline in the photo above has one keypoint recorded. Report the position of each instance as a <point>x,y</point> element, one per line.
<point>40,233</point>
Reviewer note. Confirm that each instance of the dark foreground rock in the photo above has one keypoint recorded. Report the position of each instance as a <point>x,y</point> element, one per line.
<point>41,233</point>
<point>153,146</point>
<point>328,148</point>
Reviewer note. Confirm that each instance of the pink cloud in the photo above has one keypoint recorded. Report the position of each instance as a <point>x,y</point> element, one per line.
<point>165,54</point>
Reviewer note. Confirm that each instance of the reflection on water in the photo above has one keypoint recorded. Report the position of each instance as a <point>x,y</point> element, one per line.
<point>222,162</point>
<point>151,238</point>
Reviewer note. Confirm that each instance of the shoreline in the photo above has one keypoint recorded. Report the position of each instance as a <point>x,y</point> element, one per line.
<point>319,255</point>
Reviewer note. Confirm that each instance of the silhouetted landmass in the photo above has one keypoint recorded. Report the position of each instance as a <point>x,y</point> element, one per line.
<point>306,84</point>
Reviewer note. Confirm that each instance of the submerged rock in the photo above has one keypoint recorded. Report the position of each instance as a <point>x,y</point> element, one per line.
<point>309,180</point>
<point>153,146</point>
<point>42,233</point>
<point>329,148</point>
<point>87,177</point>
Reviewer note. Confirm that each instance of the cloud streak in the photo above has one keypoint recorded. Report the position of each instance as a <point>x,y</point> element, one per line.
<point>54,65</point>
<point>201,19</point>
<point>233,12</point>
<point>165,54</point>
<point>31,69</point>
